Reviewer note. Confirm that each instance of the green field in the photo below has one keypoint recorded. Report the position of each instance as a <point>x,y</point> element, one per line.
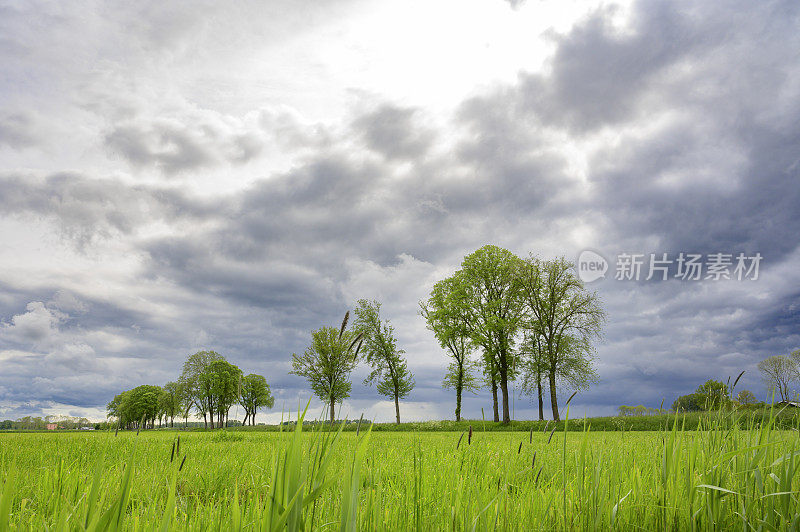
<point>723,477</point>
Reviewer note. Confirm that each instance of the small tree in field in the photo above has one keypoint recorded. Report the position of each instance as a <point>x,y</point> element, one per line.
<point>255,394</point>
<point>713,394</point>
<point>389,370</point>
<point>327,363</point>
<point>746,397</point>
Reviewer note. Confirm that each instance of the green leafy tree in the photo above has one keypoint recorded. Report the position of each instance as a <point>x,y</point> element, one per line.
<point>535,367</point>
<point>389,369</point>
<point>565,317</point>
<point>197,384</point>
<point>327,363</point>
<point>713,394</point>
<point>692,402</point>
<point>136,408</point>
<point>225,379</point>
<point>171,401</point>
<point>441,313</point>
<point>488,290</point>
<point>746,398</point>
<point>255,394</point>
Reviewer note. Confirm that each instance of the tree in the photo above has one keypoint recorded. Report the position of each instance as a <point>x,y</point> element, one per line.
<point>197,384</point>
<point>137,407</point>
<point>565,318</point>
<point>535,366</point>
<point>713,394</point>
<point>746,397</point>
<point>225,378</point>
<point>255,394</point>
<point>778,371</point>
<point>488,293</point>
<point>171,401</point>
<point>389,369</point>
<point>327,363</point>
<point>442,316</point>
<point>688,403</point>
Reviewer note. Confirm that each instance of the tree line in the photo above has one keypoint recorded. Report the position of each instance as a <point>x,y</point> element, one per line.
<point>713,395</point>
<point>499,315</point>
<point>208,384</point>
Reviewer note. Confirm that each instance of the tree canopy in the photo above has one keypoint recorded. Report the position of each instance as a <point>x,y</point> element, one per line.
<point>389,368</point>
<point>255,394</point>
<point>327,363</point>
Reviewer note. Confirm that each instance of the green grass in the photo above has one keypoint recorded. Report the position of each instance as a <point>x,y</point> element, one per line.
<point>733,473</point>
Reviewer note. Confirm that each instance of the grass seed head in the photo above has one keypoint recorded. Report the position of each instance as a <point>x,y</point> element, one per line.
<point>551,433</point>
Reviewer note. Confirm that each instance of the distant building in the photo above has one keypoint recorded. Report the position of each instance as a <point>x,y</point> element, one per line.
<point>87,428</point>
<point>52,426</point>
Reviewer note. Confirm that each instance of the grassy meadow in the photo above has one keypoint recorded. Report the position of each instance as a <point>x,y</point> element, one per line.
<point>730,474</point>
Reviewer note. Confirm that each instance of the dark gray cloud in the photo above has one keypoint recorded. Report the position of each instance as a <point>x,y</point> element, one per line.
<point>86,208</point>
<point>395,132</point>
<point>177,147</point>
<point>17,129</point>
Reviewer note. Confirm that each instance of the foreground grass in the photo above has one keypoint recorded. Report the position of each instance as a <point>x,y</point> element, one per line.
<point>721,476</point>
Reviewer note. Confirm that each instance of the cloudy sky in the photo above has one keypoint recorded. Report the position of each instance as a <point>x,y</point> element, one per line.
<point>177,177</point>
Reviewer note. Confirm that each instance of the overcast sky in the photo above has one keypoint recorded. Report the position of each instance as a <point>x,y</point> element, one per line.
<point>177,177</point>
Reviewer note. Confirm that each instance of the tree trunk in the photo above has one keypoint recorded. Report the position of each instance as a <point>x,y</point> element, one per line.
<point>205,421</point>
<point>541,399</point>
<point>333,411</point>
<point>458,402</point>
<point>553,398</point>
<point>504,390</point>
<point>494,400</point>
<point>397,408</point>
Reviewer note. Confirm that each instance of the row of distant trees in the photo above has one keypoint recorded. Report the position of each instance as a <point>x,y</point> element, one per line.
<point>778,372</point>
<point>209,385</point>
<point>640,410</point>
<point>524,318</point>
<point>712,395</point>
<point>40,423</point>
